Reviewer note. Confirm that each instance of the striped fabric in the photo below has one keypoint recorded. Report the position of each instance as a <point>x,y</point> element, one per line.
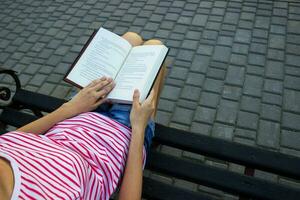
<point>79,158</point>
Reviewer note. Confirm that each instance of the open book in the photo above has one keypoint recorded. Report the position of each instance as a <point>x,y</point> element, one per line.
<point>107,54</point>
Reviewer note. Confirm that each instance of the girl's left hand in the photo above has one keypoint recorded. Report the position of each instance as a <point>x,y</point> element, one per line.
<point>90,97</point>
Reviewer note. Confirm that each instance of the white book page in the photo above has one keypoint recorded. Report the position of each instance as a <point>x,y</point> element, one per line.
<point>138,72</point>
<point>103,57</point>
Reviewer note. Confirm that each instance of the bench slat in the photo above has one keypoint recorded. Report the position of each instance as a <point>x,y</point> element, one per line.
<point>156,190</point>
<point>229,151</point>
<point>220,178</point>
<point>16,118</point>
<point>36,100</point>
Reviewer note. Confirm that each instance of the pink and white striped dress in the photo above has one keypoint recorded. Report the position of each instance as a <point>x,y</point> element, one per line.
<point>79,158</point>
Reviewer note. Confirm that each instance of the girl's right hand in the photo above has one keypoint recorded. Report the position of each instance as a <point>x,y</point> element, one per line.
<point>141,112</point>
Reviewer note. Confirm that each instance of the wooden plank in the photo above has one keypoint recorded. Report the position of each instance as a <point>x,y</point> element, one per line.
<point>220,178</point>
<point>241,154</point>
<point>16,118</point>
<point>38,101</point>
<point>154,189</point>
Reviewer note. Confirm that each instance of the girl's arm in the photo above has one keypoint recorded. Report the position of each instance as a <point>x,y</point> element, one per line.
<point>86,100</point>
<point>131,188</point>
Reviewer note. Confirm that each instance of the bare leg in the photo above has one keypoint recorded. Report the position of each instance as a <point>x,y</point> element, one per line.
<point>158,85</point>
<point>133,38</point>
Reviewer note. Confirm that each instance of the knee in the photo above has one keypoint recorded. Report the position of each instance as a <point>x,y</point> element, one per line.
<point>153,42</point>
<point>133,38</point>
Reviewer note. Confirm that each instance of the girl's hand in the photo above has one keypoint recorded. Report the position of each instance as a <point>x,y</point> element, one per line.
<point>141,112</point>
<point>90,97</point>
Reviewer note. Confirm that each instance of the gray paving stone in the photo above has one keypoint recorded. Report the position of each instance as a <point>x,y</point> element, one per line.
<point>222,131</point>
<point>216,73</point>
<point>245,133</point>
<point>291,100</point>
<point>256,59</point>
<point>273,99</point>
<point>46,88</point>
<point>231,92</point>
<point>268,134</point>
<point>222,53</point>
<point>183,115</point>
<point>170,92</point>
<point>292,82</point>
<point>290,139</point>
<point>247,120</point>
<point>209,99</point>
<point>291,121</point>
<point>240,48</point>
<point>273,86</point>
<point>166,105</point>
<point>201,128</point>
<point>38,79</point>
<point>227,112</point>
<point>195,79</point>
<point>274,69</point>
<point>250,104</point>
<point>235,75</point>
<point>199,20</point>
<point>237,59</point>
<point>190,93</point>
<point>200,63</point>
<point>277,41</point>
<point>242,36</point>
<point>253,85</point>
<point>213,85</point>
<point>270,112</point>
<point>276,54</point>
<point>205,49</point>
<point>204,114</point>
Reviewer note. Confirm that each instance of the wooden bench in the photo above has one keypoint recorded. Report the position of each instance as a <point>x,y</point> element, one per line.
<point>244,185</point>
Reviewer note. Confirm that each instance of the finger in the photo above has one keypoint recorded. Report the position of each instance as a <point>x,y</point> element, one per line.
<point>151,96</point>
<point>136,97</point>
<point>94,82</point>
<point>100,101</point>
<point>104,91</point>
<point>101,84</point>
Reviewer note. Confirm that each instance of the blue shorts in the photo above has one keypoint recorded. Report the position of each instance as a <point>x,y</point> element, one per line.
<point>121,113</point>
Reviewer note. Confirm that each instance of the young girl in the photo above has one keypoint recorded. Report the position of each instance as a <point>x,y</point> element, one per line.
<point>83,150</point>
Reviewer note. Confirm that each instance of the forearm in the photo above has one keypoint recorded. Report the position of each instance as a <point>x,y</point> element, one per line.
<point>41,125</point>
<point>131,188</point>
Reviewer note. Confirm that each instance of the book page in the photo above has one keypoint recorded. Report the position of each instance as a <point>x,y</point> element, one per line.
<point>103,57</point>
<point>138,72</point>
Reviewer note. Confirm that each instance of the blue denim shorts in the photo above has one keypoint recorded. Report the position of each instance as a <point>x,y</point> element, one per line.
<point>121,113</point>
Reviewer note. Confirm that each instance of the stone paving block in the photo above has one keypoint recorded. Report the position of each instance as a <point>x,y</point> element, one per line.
<point>240,48</point>
<point>250,104</point>
<point>247,120</point>
<point>222,53</point>
<point>235,75</point>
<point>268,134</point>
<point>262,22</point>
<point>199,20</point>
<point>195,79</point>
<point>245,133</point>
<point>190,92</point>
<point>209,99</point>
<point>274,69</point>
<point>237,59</point>
<point>292,82</point>
<point>46,88</point>
<point>291,100</point>
<point>276,54</point>
<point>291,121</point>
<point>213,85</point>
<point>242,36</point>
<point>205,49</point>
<point>170,92</point>
<point>270,112</point>
<point>222,131</point>
<point>216,73</point>
<point>163,118</point>
<point>201,128</point>
<point>227,111</point>
<point>273,86</point>
<point>256,59</point>
<point>38,79</point>
<point>200,63</point>
<point>277,41</point>
<point>253,85</point>
<point>231,92</point>
<point>178,72</point>
<point>290,139</point>
<point>204,114</point>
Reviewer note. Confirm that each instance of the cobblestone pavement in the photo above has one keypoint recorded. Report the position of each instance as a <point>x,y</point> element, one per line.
<point>234,66</point>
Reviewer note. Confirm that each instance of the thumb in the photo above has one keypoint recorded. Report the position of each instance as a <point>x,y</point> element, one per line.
<point>136,97</point>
